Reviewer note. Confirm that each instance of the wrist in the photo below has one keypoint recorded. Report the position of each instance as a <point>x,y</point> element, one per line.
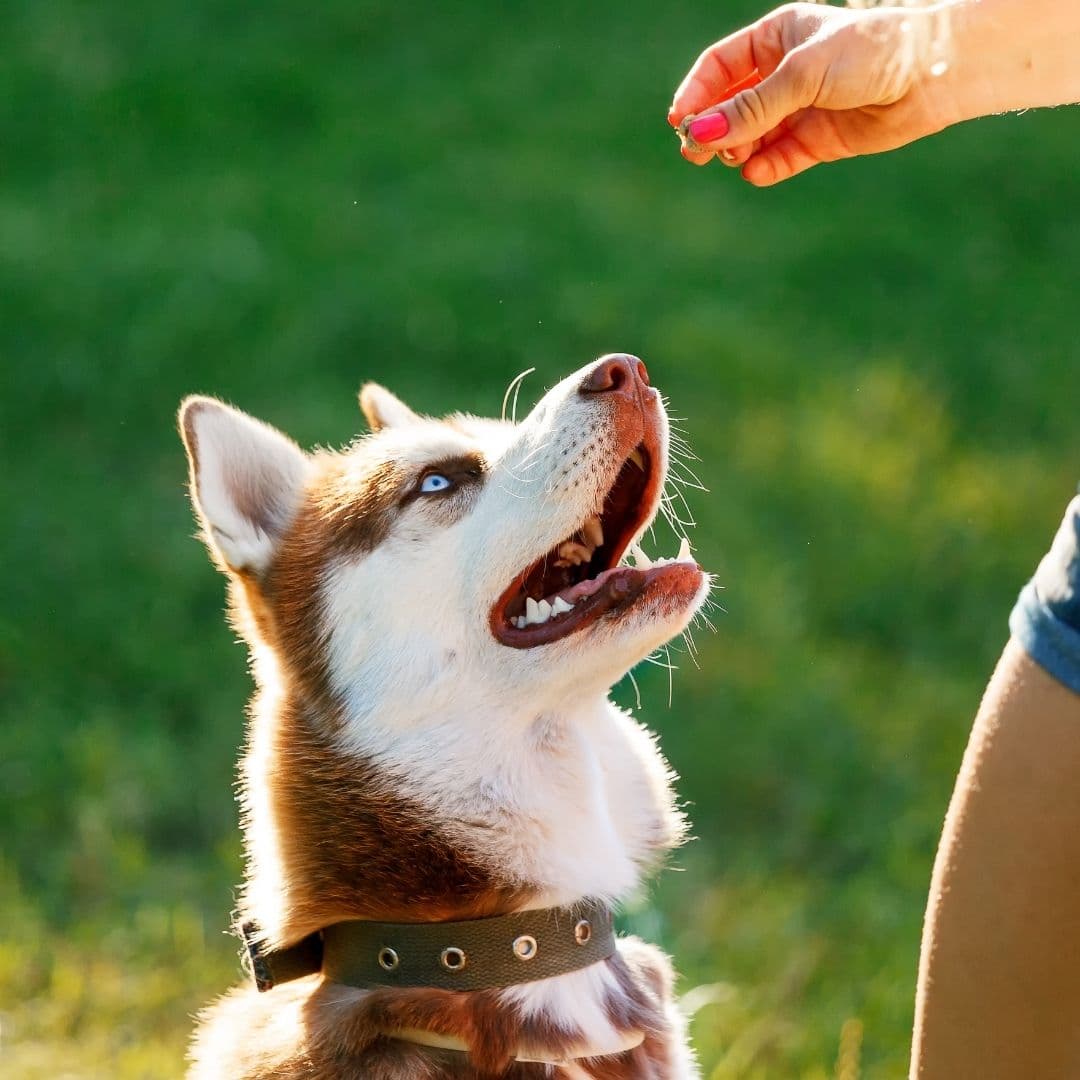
<point>995,56</point>
<point>945,75</point>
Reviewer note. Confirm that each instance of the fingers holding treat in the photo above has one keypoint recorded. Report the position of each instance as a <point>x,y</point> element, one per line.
<point>697,130</point>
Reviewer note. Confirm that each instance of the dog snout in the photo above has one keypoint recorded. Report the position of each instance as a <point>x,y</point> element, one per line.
<point>617,373</point>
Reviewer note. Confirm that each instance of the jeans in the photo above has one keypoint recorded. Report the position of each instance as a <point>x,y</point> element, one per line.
<point>1046,619</point>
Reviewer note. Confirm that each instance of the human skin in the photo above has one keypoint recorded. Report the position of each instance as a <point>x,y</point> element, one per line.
<point>999,991</point>
<point>837,82</point>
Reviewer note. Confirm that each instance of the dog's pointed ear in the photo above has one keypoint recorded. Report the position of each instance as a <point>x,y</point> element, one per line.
<point>382,409</point>
<point>247,480</point>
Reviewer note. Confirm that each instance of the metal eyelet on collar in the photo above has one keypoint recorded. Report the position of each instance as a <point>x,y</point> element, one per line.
<point>453,958</point>
<point>525,947</point>
<point>583,931</point>
<point>388,959</point>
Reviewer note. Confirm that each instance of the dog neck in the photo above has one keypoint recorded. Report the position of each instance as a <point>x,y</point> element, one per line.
<point>428,819</point>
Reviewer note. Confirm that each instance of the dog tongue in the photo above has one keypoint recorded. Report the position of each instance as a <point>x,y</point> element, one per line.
<point>618,588</point>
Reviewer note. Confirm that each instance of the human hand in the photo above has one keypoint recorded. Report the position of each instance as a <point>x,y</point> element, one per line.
<point>834,83</point>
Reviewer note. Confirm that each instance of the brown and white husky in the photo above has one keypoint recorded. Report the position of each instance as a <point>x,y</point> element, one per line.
<point>435,616</point>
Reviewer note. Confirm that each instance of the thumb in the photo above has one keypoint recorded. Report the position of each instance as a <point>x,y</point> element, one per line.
<point>754,112</point>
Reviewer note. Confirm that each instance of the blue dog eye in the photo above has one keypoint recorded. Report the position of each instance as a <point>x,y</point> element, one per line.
<point>433,483</point>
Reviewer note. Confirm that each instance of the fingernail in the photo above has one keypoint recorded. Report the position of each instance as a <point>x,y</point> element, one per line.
<point>728,156</point>
<point>707,129</point>
<point>685,153</point>
<point>673,118</point>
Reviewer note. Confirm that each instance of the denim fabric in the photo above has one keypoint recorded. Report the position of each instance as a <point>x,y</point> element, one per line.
<point>1046,619</point>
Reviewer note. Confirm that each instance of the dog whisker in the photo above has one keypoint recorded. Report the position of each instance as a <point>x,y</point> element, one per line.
<point>515,386</point>
<point>532,453</point>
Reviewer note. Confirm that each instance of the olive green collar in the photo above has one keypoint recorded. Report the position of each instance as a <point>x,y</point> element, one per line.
<point>476,954</point>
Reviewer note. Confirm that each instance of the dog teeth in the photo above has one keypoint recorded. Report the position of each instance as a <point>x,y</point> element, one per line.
<point>573,553</point>
<point>537,612</point>
<point>684,556</point>
<point>593,532</point>
<point>580,551</point>
<point>637,458</point>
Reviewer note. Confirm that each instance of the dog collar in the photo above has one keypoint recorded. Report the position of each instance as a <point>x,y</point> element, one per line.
<point>475,954</point>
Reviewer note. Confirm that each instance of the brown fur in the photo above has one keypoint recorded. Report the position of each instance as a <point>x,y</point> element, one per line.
<point>349,508</point>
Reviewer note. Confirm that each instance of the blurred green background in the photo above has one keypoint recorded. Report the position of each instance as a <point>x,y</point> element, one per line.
<point>878,364</point>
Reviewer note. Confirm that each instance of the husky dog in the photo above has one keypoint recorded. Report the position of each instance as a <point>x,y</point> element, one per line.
<point>435,617</point>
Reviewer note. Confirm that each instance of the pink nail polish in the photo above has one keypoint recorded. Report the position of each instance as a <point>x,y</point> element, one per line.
<point>707,129</point>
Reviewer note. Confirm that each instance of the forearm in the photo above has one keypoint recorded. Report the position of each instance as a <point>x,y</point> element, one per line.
<point>1004,55</point>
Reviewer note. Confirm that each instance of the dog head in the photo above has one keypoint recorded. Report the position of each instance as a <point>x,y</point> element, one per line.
<point>457,564</point>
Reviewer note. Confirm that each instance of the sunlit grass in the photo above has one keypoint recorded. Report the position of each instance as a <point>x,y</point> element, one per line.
<point>876,365</point>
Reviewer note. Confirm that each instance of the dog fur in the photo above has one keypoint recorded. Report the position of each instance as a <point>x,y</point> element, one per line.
<point>403,763</point>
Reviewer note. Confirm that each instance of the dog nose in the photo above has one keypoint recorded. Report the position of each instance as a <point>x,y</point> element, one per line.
<point>616,373</point>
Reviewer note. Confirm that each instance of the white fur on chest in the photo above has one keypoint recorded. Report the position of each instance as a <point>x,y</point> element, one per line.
<point>573,804</point>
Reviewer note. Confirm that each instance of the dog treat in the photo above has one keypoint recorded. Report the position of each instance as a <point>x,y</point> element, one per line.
<point>683,130</point>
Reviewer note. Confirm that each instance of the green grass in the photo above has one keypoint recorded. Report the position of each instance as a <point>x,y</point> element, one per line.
<point>878,365</point>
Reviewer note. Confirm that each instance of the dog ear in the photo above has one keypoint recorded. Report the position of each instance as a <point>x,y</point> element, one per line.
<point>246,481</point>
<point>382,409</point>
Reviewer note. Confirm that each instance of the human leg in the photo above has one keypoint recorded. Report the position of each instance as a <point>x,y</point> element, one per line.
<point>999,977</point>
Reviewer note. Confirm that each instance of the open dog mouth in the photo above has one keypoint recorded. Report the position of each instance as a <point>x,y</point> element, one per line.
<point>581,579</point>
